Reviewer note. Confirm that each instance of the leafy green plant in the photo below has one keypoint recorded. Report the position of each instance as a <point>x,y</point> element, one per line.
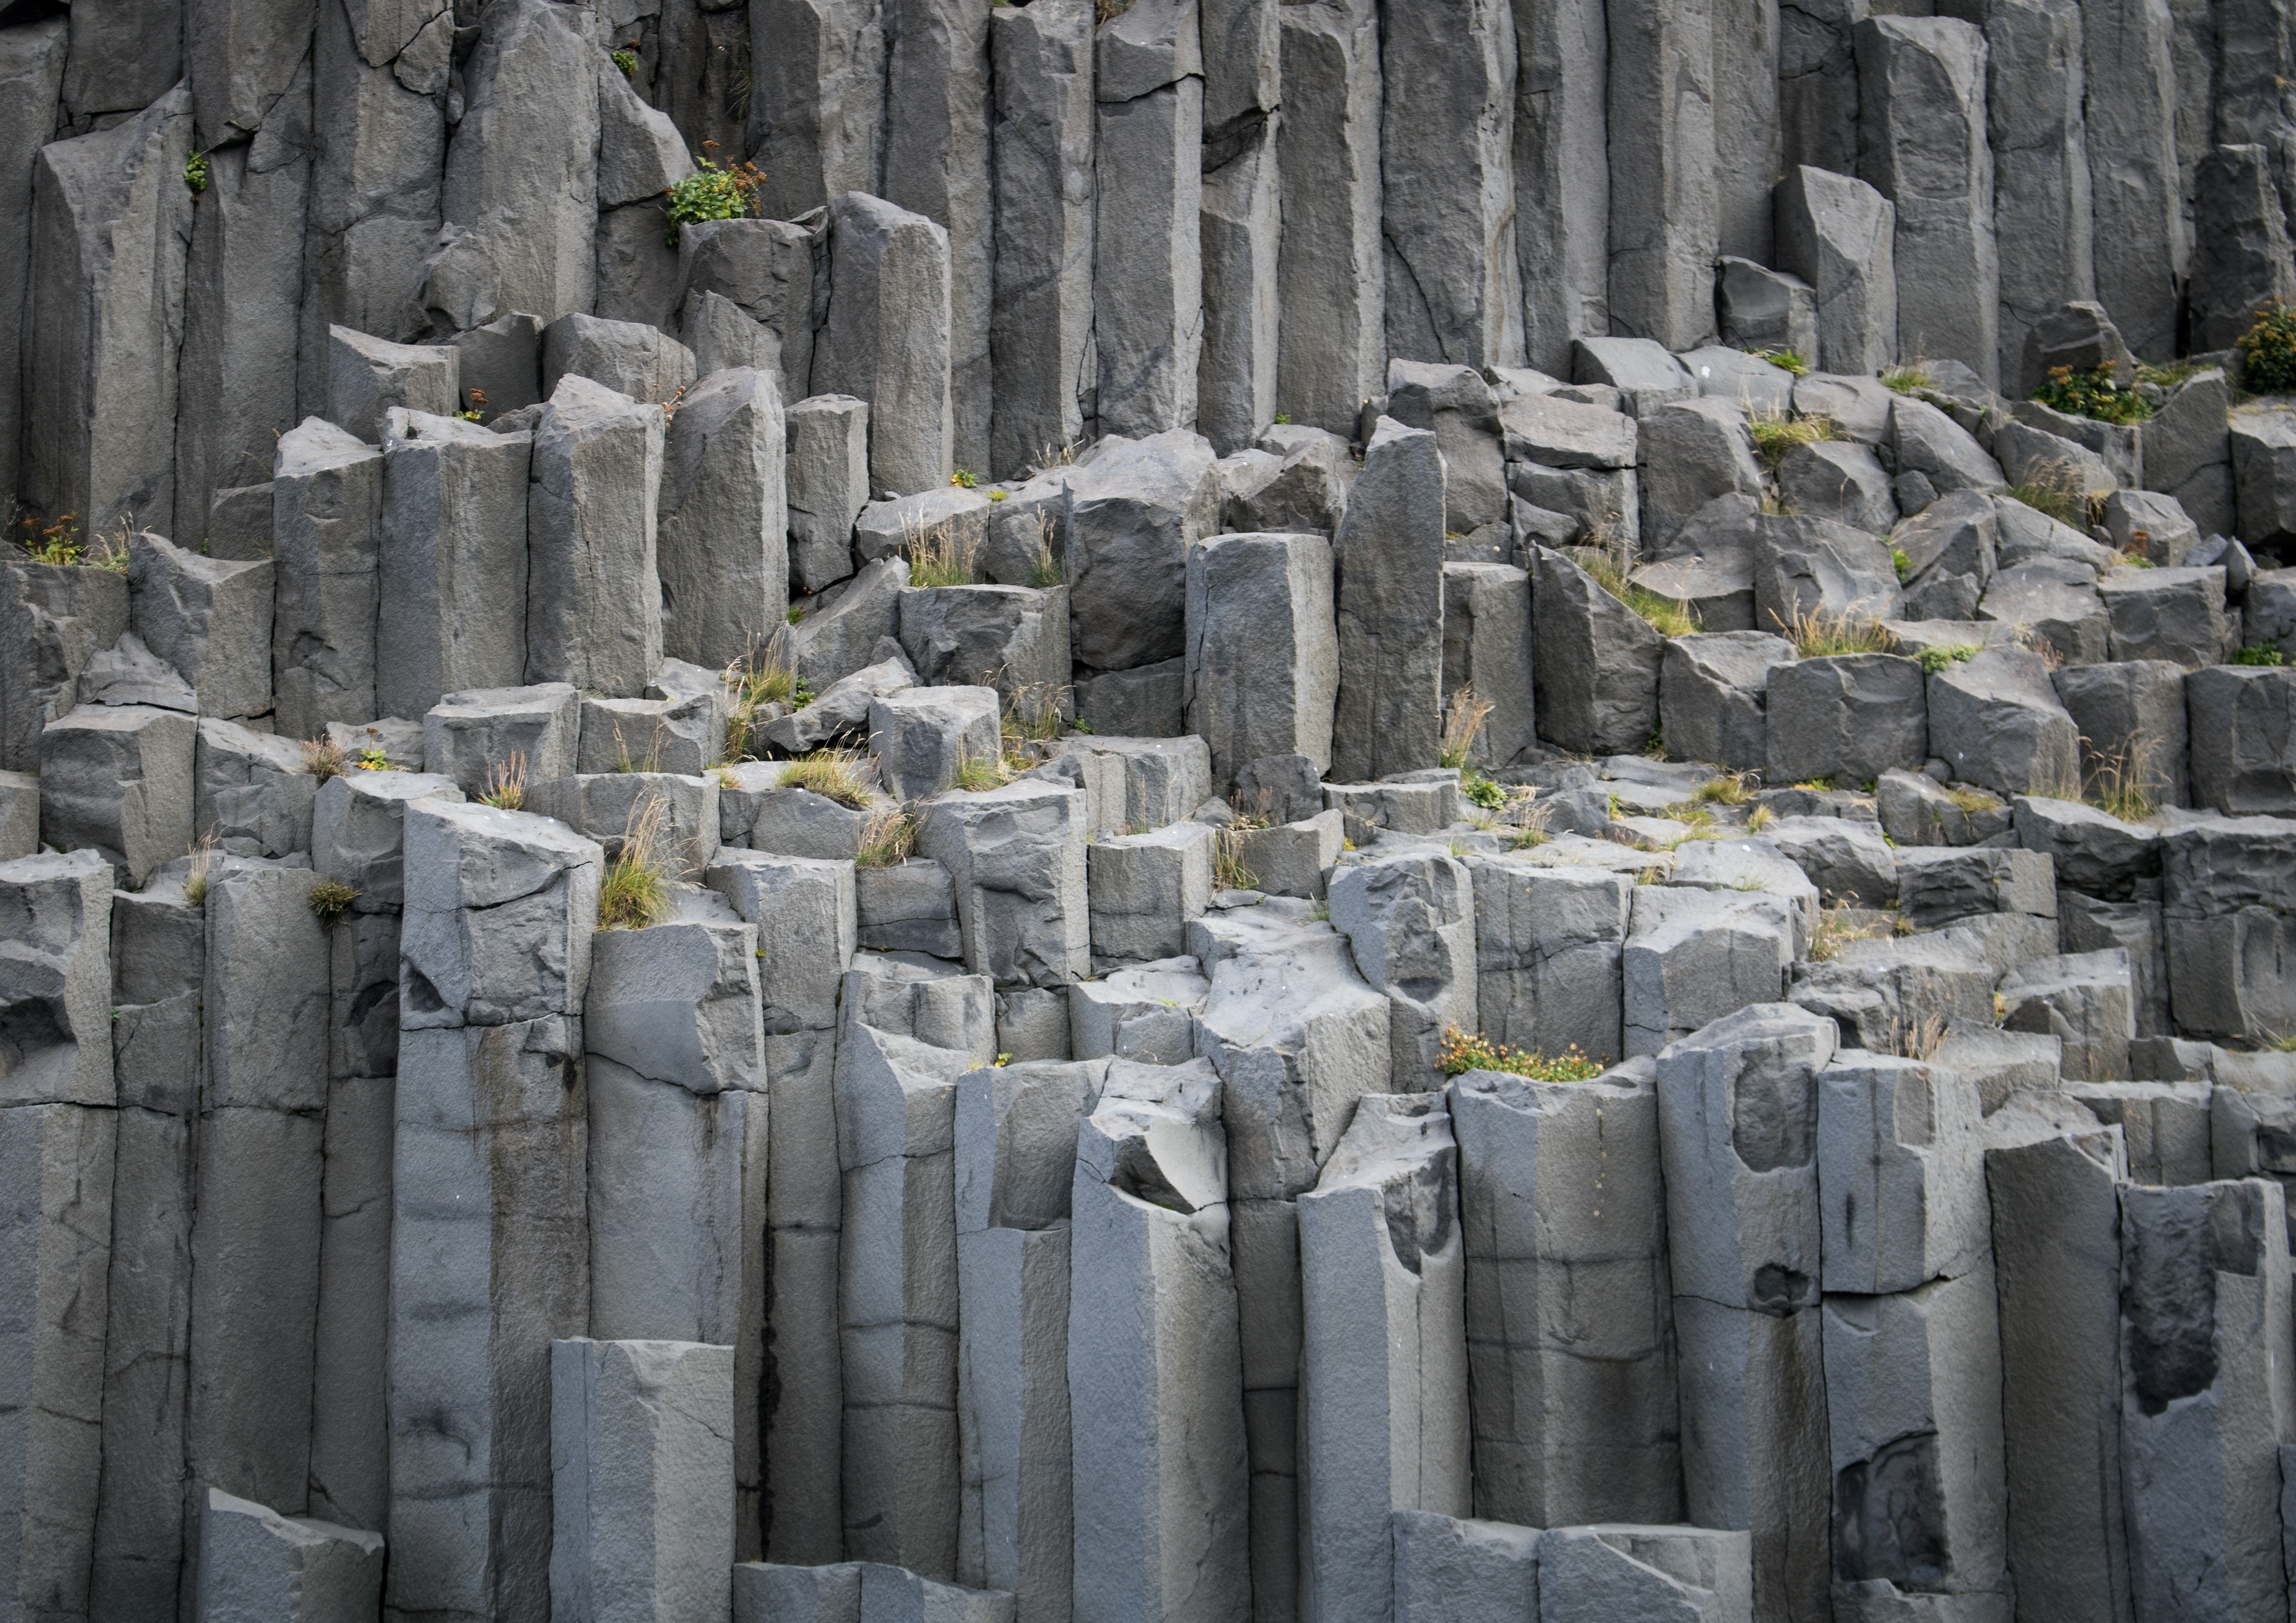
<point>1776,434</point>
<point>1786,360</point>
<point>373,761</point>
<point>1000,495</point>
<point>1900,563</point>
<point>1935,660</point>
<point>833,774</point>
<point>1815,634</point>
<point>712,193</point>
<point>1461,1053</point>
<point>2259,653</point>
<point>1906,379</point>
<point>795,615</point>
<point>2093,393</point>
<point>59,542</point>
<point>966,479</point>
<point>330,898</point>
<point>635,890</point>
<point>628,62</point>
<point>195,172</point>
<point>1481,791</point>
<point>2267,350</point>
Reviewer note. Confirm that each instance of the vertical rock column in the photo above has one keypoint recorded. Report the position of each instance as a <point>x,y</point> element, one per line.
<point>1922,143</point>
<point>2136,188</point>
<point>1154,1381</point>
<point>1148,312</point>
<point>674,1062</point>
<point>1040,327</point>
<point>1242,223</point>
<point>886,338</point>
<point>1331,337</point>
<point>1384,1383</point>
<point>1389,557</point>
<point>112,225</point>
<point>359,839</point>
<point>1838,234</point>
<point>258,1148</point>
<point>2041,183</point>
<point>723,547</point>
<point>1569,1328</point>
<point>326,507</point>
<point>1738,1143</point>
<point>818,102</point>
<point>1263,665</point>
<point>803,909</point>
<point>489,1244</point>
<point>1665,236</point>
<point>1562,176</point>
<point>31,75</point>
<point>1446,162</point>
<point>593,590</point>
<point>1016,1133</point>
<point>1747,136</point>
<point>56,1150</point>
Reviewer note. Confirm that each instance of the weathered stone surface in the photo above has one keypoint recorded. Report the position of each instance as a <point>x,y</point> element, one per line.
<point>594,599</point>
<point>1713,693</point>
<point>1411,922</point>
<point>2176,614</point>
<point>1134,512</point>
<point>1760,308</point>
<point>768,269</point>
<point>887,339</point>
<point>1387,558</point>
<point>1840,481</point>
<point>501,361</point>
<point>1331,353</point>
<point>1847,716</point>
<point>826,481</point>
<point>1693,956</point>
<point>1691,452</point>
<point>2135,183</point>
<point>1241,231</point>
<point>452,574</point>
<point>54,618</point>
<point>2243,732</point>
<point>1017,856</point>
<point>253,1561</point>
<point>1661,122</point>
<point>119,781</point>
<point>1487,654</point>
<point>1838,234</point>
<point>1996,720</point>
<point>327,510</point>
<point>721,547</point>
<point>470,736</point>
<point>367,376</point>
<point>1813,568</point>
<point>1596,662</point>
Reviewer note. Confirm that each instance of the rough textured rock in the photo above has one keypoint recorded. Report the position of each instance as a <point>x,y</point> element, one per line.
<point>451,578</point>
<point>2243,748</point>
<point>1838,234</point>
<point>1662,115</point>
<point>1263,656</point>
<point>1332,351</point>
<point>1388,559</point>
<point>887,337</point>
<point>593,597</point>
<point>1596,661</point>
<point>1846,716</point>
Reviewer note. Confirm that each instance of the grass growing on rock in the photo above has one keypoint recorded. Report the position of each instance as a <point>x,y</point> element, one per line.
<point>947,556</point>
<point>1935,660</point>
<point>635,890</point>
<point>1731,789</point>
<point>1668,617</point>
<point>1228,871</point>
<point>1776,434</point>
<point>887,838</point>
<point>324,759</point>
<point>1817,635</point>
<point>330,898</point>
<point>202,852</point>
<point>2120,783</point>
<point>2093,394</point>
<point>1462,1053</point>
<point>505,787</point>
<point>833,774</point>
<point>1906,379</point>
<point>1462,725</point>
<point>2259,653</point>
<point>1835,931</point>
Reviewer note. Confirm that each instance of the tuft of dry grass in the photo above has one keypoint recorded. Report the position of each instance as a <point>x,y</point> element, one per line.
<point>1731,789</point>
<point>635,890</point>
<point>1228,872</point>
<point>1923,1040</point>
<point>2121,784</point>
<point>1759,819</point>
<point>1046,570</point>
<point>324,759</point>
<point>1835,931</point>
<point>766,676</point>
<point>1033,715</point>
<point>1775,434</point>
<point>330,898</point>
<point>1906,379</point>
<point>202,852</point>
<point>2053,488</point>
<point>1260,814</point>
<point>1668,617</point>
<point>834,774</point>
<point>1463,725</point>
<point>505,787</point>
<point>887,840</point>
<point>1817,635</point>
<point>949,555</point>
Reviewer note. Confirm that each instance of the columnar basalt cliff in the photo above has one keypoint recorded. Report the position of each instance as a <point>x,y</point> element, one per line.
<point>1147,811</point>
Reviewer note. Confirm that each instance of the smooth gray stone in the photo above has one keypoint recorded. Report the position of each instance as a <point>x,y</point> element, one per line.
<point>1692,956</point>
<point>253,796</point>
<point>1460,408</point>
<point>1641,369</point>
<point>1389,561</point>
<point>209,618</point>
<point>1387,1194</point>
<point>1548,944</point>
<point>2264,467</point>
<point>1240,229</point>
<point>2079,336</point>
<point>924,737</point>
<point>1263,668</point>
<point>1617,1571</point>
<point>1016,857</point>
<point>817,131</point>
<point>1032,1023</point>
<point>2187,451</point>
<point>2092,851</point>
<point>2240,257</point>
<point>458,858</point>
<point>826,479</point>
<point>54,617</point>
<point>2102,451</point>
<point>2057,601</point>
<point>1712,690</point>
<point>1410,921</point>
<point>1842,480</point>
<point>1848,716</point>
<point>1901,1184</point>
<point>1661,123</point>
<point>2176,614</point>
<point>367,377</point>
<point>1144,889</point>
<point>2136,184</point>
<point>119,781</point>
<point>1133,514</point>
<point>1153,1293</point>
<point>1148,184</point>
<point>1748,134</point>
<point>467,734</point>
<point>1751,865</point>
<point>768,269</point>
<point>630,357</point>
<point>1817,569</point>
<point>910,906</point>
<point>32,58</point>
<point>1487,649</point>
<point>1596,661</point>
<point>593,597</point>
<point>503,361</point>
<point>1921,112</point>
<point>1759,308</point>
<point>1448,89</point>
<point>1573,506</point>
<point>1931,444</point>
<point>2198,1497</point>
<point>722,542</point>
<point>1146,1012</point>
<point>2164,1124</point>
<point>61,908</point>
<point>2025,534</point>
<point>1141,782</point>
<point>58,1249</point>
<point>1995,721</point>
<point>722,334</point>
<point>1331,342</point>
<point>519,233</point>
<point>1473,1572</point>
<point>2036,91</point>
<point>452,573</point>
<point>1042,150</point>
<point>1949,548</point>
<point>640,156</point>
<point>2085,925</point>
<point>358,831</point>
<point>806,912</point>
<point>1306,490</point>
<point>327,512</point>
<point>1940,885</point>
<point>1840,235</point>
<point>2085,999</point>
<point>1557,433</point>
<point>103,448</point>
<point>1561,177</point>
<point>887,341</point>
<point>1692,452</point>
<point>1014,639</point>
<point>1545,1175</point>
<point>2244,754</point>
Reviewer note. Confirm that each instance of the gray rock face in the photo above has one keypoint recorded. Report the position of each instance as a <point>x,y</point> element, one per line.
<point>1561,178</point>
<point>1694,956</point>
<point>826,483</point>
<point>1692,452</point>
<point>1840,481</point>
<point>1016,857</point>
<point>2240,257</point>
<point>1817,569</point>
<point>593,597</point>
<point>1041,148</point>
<point>886,338</point>
<point>250,1555</point>
<point>1838,234</point>
<point>1411,922</point>
<point>1596,661</point>
<point>465,735</point>
<point>367,376</point>
<point>1263,671</point>
<point>1996,720</point>
<point>1389,561</point>
<point>1761,308</point>
<point>209,618</point>
<point>1332,283</point>
<point>53,619</point>
<point>452,569</point>
<point>503,361</point>
<point>2188,450</point>
<point>630,357</point>
<point>1487,654</point>
<point>2175,615</point>
<point>2244,734</point>
<point>119,781</point>
<point>254,798</point>
<point>1713,696</point>
<point>2139,230</point>
<point>1147,253</point>
<point>768,269</point>
<point>721,545</point>
<point>2036,87</point>
<point>1950,556</point>
<point>924,736</point>
<point>1458,406</point>
<point>1661,109</point>
<point>1931,444</point>
<point>2056,601</point>
<point>1848,716</point>
<point>1133,514</point>
<point>1240,229</point>
<point>1014,639</point>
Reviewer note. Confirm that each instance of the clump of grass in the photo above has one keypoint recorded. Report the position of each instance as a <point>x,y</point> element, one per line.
<point>1527,827</point>
<point>1759,819</point>
<point>1668,617</point>
<point>1817,635</point>
<point>1900,563</point>
<point>887,838</point>
<point>1923,1040</point>
<point>2054,489</point>
<point>1462,725</point>
<point>764,676</point>
<point>202,852</point>
<point>1033,714</point>
<point>2277,1042</point>
<point>1906,379</point>
<point>635,890</point>
<point>1260,814</point>
<point>1462,1053</point>
<point>978,774</point>
<point>2259,653</point>
<point>1045,570</point>
<point>323,759</point>
<point>1776,434</point>
<point>330,898</point>
<point>2095,393</point>
<point>2267,350</point>
<point>948,555</point>
<point>2120,783</point>
<point>505,787</point>
<point>1835,931</point>
<point>833,774</point>
<point>1972,802</point>
<point>1731,789</point>
<point>1786,360</point>
<point>1228,872</point>
<point>2171,375</point>
<point>1935,660</point>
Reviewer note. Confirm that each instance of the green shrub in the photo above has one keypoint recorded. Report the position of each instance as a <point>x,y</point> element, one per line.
<point>1904,380</point>
<point>195,172</point>
<point>1935,660</point>
<point>628,62</point>
<point>1461,1053</point>
<point>2259,653</point>
<point>2093,393</point>
<point>711,193</point>
<point>2267,350</point>
<point>330,898</point>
